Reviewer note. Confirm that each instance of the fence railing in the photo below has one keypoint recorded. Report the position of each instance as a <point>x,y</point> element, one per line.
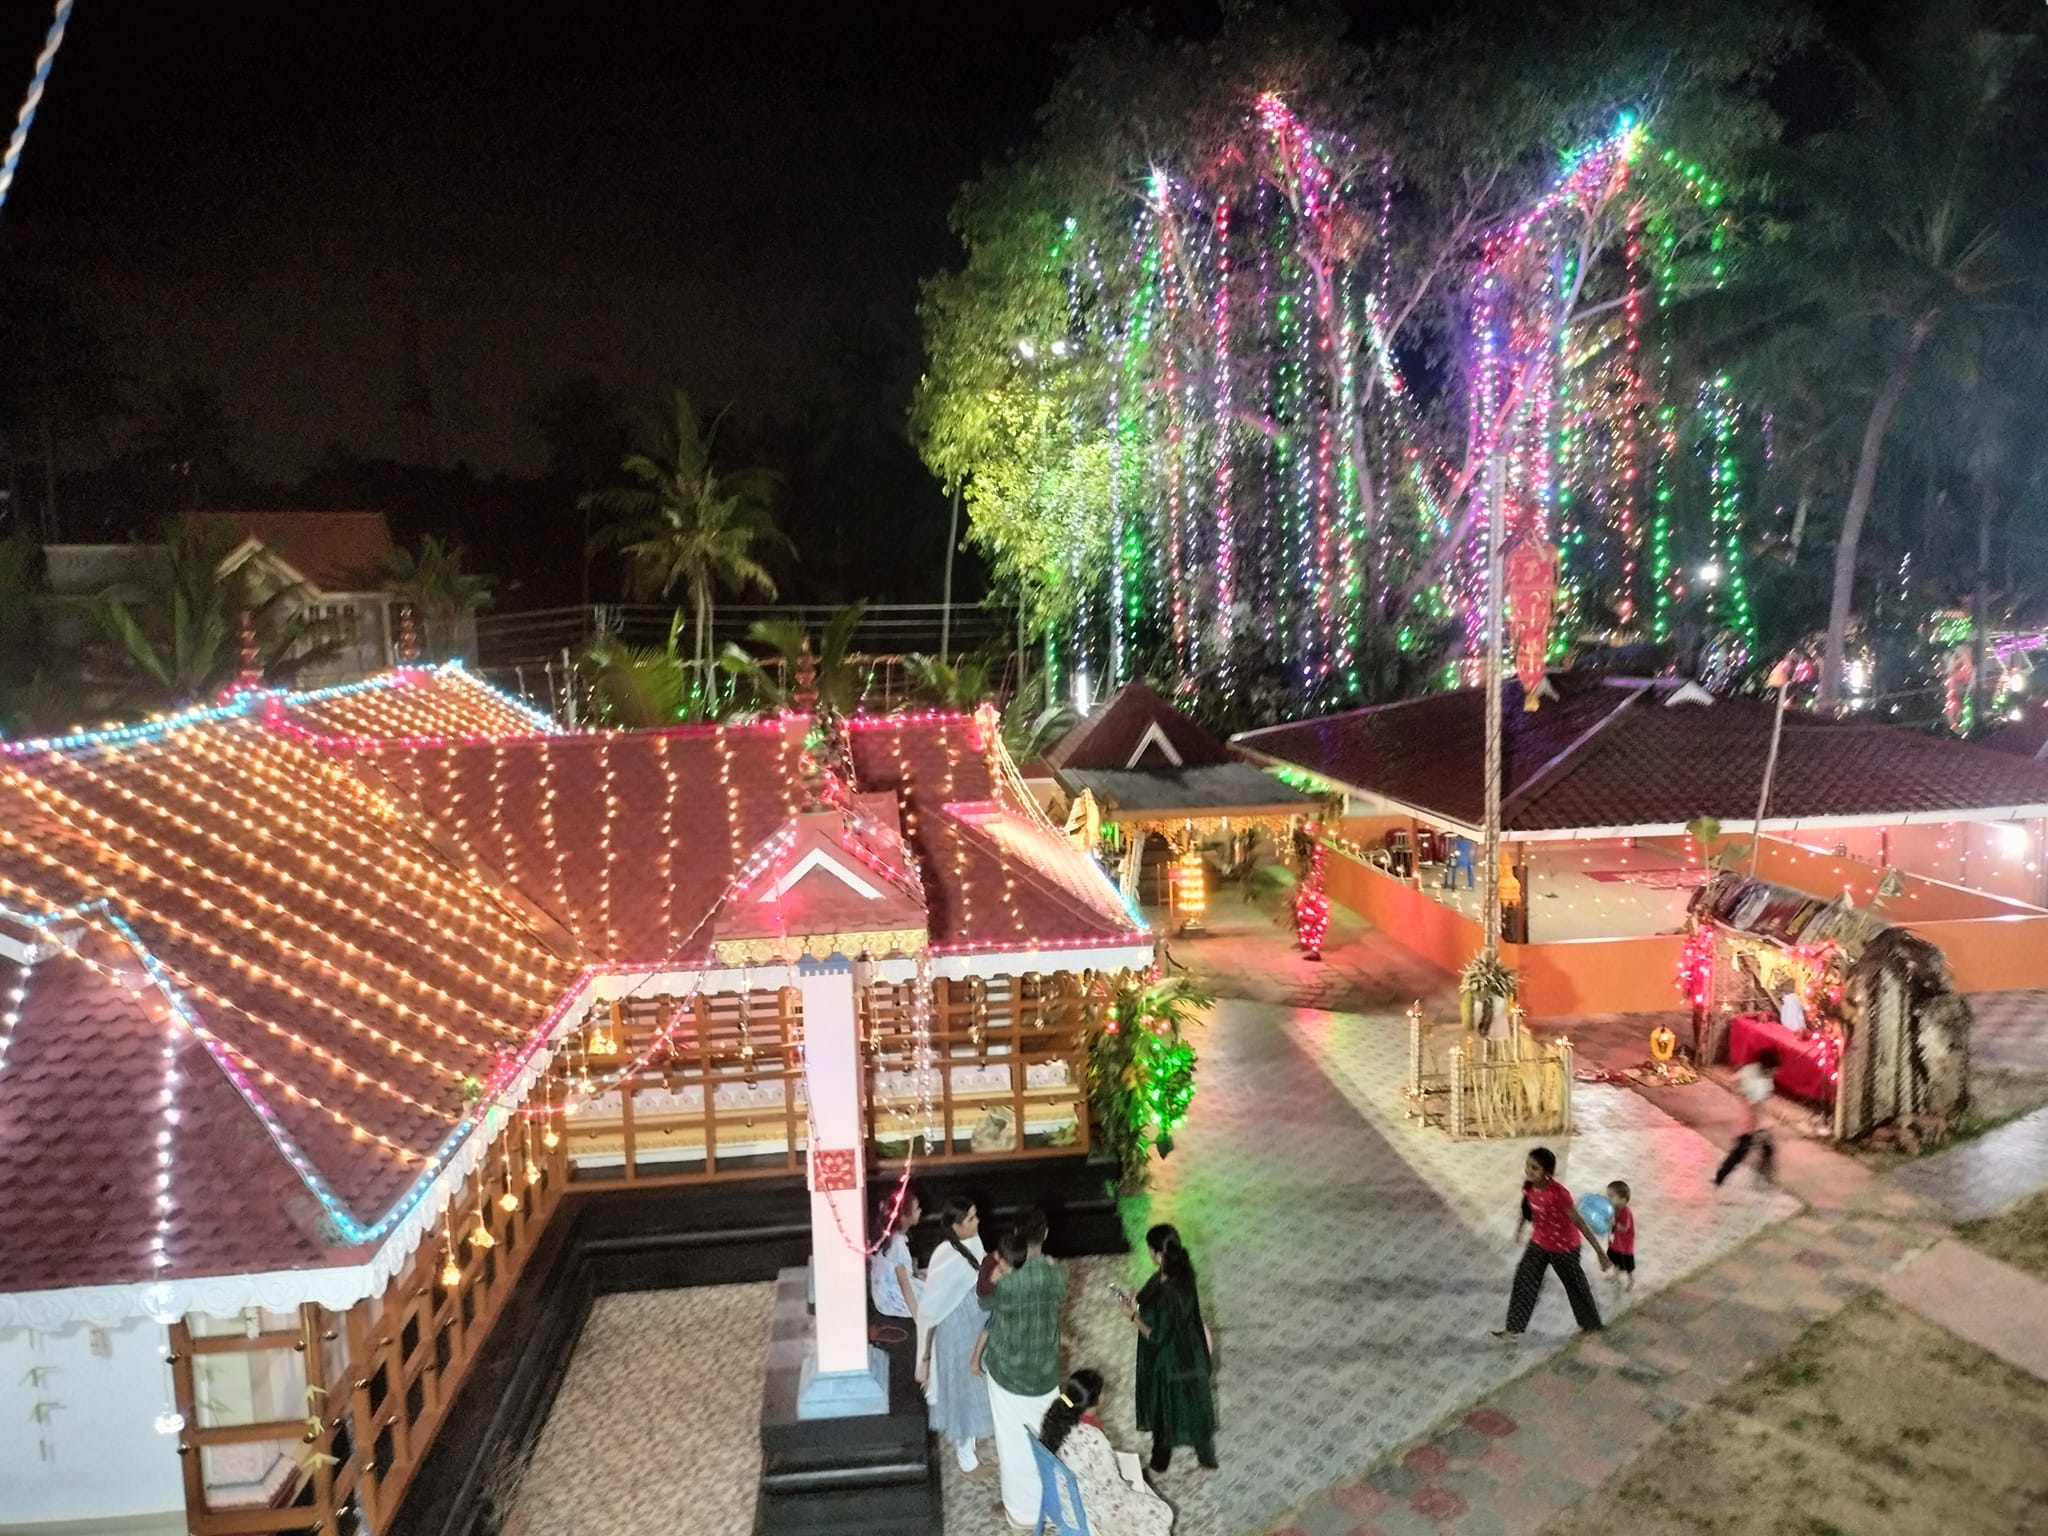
<point>536,636</point>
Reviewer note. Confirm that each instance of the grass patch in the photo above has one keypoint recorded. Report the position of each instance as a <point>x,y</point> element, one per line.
<point>1872,1421</point>
<point>2018,1236</point>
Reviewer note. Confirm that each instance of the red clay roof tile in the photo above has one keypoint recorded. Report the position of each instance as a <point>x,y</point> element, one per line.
<point>1619,753</point>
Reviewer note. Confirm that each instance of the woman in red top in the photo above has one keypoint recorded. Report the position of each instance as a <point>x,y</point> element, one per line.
<point>1553,1244</point>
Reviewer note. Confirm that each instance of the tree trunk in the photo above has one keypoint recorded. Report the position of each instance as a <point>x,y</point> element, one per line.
<point>1980,628</point>
<point>1805,504</point>
<point>1858,510</point>
<point>700,599</point>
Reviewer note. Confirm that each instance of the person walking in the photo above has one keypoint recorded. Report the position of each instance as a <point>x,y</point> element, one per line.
<point>1176,1398</point>
<point>1555,1227</point>
<point>948,1323</point>
<point>1019,1352</point>
<point>1756,1082</point>
<point>1113,1503</point>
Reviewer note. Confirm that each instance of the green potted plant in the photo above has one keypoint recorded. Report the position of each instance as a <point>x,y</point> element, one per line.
<point>1484,986</point>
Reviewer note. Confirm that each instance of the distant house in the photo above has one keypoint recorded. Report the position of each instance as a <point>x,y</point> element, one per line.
<point>334,561</point>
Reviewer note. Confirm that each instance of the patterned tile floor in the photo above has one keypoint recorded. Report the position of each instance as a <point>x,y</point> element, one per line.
<point>1354,1262</point>
<point>654,1431</point>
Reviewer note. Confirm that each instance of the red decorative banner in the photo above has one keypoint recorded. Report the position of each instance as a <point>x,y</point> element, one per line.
<point>1531,585</point>
<point>832,1170</point>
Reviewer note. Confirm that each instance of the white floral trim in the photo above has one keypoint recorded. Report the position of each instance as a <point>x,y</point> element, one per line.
<point>339,1287</point>
<point>336,1287</point>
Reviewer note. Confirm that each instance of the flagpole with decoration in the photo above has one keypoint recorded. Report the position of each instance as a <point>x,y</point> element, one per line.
<point>1781,679</point>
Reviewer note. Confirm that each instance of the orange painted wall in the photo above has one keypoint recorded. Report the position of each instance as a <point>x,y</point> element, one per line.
<point>1634,975</point>
<point>1590,976</point>
<point>1995,954</point>
<point>1822,874</point>
<point>1439,934</point>
<point>1921,901</point>
<point>1989,947</point>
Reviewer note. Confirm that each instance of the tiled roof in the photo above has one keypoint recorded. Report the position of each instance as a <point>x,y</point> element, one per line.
<point>983,890</point>
<point>87,1055</point>
<point>335,551</point>
<point>2024,737</point>
<point>1624,754</point>
<point>627,840</point>
<point>1126,732</point>
<point>356,925</point>
<point>1241,787</point>
<point>426,704</point>
<point>345,971</point>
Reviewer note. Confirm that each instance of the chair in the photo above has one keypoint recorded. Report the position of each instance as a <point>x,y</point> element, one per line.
<point>1461,861</point>
<point>1059,1495</point>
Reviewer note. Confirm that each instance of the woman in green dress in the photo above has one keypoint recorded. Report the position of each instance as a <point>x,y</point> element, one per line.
<point>1175,1398</point>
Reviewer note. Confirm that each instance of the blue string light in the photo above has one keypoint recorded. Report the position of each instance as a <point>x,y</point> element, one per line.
<point>51,42</point>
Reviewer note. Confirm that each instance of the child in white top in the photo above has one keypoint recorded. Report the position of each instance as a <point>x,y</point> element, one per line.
<point>893,1284</point>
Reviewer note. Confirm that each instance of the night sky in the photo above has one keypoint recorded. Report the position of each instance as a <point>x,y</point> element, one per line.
<point>274,201</point>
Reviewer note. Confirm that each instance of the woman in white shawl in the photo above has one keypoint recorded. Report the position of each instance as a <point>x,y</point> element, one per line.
<point>948,1322</point>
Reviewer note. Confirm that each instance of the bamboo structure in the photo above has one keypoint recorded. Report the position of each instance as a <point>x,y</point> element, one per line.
<point>1476,1085</point>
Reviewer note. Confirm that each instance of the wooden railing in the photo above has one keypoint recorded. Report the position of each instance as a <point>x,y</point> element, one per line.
<point>719,1097</point>
<point>1008,1071</point>
<point>379,1379</point>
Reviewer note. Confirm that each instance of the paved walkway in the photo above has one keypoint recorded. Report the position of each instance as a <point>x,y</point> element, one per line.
<point>1979,1298</point>
<point>1526,1454</point>
<point>1354,1262</point>
<point>1983,1176</point>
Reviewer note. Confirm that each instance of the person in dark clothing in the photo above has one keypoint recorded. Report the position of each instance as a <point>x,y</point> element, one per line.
<point>1556,1225</point>
<point>1176,1398</point>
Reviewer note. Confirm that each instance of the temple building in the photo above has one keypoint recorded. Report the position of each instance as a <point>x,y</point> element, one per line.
<point>329,1021</point>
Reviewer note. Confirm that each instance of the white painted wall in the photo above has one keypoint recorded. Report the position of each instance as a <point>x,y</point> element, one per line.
<point>105,1459</point>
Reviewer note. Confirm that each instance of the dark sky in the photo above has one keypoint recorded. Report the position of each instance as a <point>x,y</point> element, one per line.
<point>268,198</point>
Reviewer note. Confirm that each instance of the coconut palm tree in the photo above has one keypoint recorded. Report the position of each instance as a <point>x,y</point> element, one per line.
<point>637,687</point>
<point>683,522</point>
<point>964,684</point>
<point>838,677</point>
<point>432,582</point>
<point>1903,252</point>
<point>180,633</point>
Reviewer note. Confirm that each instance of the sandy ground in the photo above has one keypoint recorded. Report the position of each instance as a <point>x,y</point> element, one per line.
<point>1873,1422</point>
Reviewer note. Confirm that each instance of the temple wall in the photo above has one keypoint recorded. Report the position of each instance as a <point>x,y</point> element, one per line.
<point>105,1459</point>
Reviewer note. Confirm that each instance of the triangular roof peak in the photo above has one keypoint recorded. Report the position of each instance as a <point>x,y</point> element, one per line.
<point>828,881</point>
<point>1137,729</point>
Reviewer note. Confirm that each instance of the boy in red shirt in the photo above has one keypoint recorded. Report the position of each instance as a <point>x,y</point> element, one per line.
<point>1548,1208</point>
<point>1621,1242</point>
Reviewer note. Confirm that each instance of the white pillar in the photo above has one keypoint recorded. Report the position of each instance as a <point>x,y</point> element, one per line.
<point>843,1374</point>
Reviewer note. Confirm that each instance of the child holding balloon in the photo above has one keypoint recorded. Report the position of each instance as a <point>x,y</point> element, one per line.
<point>1621,1243</point>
